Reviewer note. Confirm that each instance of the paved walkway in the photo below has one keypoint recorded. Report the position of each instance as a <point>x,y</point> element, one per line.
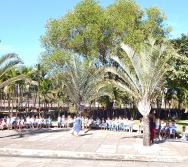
<point>93,145</point>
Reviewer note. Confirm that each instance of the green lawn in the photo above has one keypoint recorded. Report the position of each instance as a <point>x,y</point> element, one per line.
<point>181,123</point>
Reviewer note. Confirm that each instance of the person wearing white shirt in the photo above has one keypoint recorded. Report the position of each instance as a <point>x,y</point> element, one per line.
<point>120,124</point>
<point>126,124</point>
<point>131,124</point>
<point>28,122</point>
<point>22,123</point>
<point>98,121</point>
<point>85,122</point>
<point>32,121</point>
<point>8,122</point>
<point>184,133</point>
<point>115,123</point>
<point>13,121</point>
<point>109,123</point>
<point>36,123</point>
<point>172,128</point>
<point>63,121</point>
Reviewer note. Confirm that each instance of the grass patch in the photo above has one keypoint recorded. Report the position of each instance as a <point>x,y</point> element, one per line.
<point>181,123</point>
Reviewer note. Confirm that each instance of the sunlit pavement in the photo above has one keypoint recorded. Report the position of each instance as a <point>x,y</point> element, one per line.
<point>108,148</point>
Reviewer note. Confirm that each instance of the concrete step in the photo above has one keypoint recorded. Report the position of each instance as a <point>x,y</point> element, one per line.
<point>90,155</point>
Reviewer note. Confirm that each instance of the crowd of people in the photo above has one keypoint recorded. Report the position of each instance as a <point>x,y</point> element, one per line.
<point>13,122</point>
<point>159,129</point>
<point>116,124</point>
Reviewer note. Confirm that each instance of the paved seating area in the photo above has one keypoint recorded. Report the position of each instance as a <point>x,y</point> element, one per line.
<point>95,144</point>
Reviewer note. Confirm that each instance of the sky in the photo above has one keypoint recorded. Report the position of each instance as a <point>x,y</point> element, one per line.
<point>22,22</point>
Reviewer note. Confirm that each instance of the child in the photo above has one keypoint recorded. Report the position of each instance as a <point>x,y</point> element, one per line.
<point>103,124</point>
<point>140,127</point>
<point>131,124</point>
<point>166,130</point>
<point>162,130</point>
<point>184,133</point>
<point>157,127</point>
<point>172,128</point>
<point>59,121</point>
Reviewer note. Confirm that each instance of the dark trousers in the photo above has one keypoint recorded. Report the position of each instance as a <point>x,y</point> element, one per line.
<point>152,134</point>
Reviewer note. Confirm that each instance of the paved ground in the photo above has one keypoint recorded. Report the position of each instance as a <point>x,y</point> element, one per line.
<point>50,162</point>
<point>57,147</point>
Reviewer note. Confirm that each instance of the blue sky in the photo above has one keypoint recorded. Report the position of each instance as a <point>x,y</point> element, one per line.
<point>22,22</point>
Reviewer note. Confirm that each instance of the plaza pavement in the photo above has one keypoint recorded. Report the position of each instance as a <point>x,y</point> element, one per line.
<point>58,143</point>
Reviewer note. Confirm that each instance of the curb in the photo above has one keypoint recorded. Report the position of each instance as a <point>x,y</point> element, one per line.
<point>89,155</point>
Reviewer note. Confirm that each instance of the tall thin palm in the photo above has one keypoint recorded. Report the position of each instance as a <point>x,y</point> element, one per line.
<point>146,76</point>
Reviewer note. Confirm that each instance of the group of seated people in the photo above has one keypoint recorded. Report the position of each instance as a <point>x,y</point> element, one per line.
<point>65,122</point>
<point>116,124</point>
<point>108,124</point>
<point>13,122</point>
<point>166,129</point>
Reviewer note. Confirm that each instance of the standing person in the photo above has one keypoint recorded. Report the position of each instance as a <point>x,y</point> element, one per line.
<point>77,125</point>
<point>152,121</point>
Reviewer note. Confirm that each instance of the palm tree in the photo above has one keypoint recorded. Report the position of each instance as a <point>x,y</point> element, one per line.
<point>10,89</point>
<point>82,81</point>
<point>146,75</point>
<point>38,76</point>
<point>7,62</point>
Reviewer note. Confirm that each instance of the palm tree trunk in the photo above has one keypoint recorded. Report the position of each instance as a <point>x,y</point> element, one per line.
<point>9,108</point>
<point>39,106</point>
<point>1,100</point>
<point>144,108</point>
<point>146,131</point>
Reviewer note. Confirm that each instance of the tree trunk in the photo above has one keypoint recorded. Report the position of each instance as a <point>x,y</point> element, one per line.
<point>144,108</point>
<point>146,131</point>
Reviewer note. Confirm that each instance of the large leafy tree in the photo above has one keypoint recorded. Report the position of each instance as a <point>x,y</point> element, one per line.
<point>92,31</point>
<point>145,77</point>
<point>178,81</point>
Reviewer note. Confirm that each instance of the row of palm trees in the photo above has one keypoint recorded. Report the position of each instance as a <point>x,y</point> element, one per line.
<point>84,81</point>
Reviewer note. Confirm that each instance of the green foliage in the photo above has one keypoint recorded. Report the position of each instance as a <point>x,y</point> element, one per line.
<point>93,31</point>
<point>177,80</point>
<point>82,80</point>
<point>8,72</point>
<point>146,78</point>
<point>1,115</point>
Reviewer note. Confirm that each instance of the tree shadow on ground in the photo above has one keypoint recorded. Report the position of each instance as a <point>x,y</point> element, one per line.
<point>135,136</point>
<point>30,132</point>
<point>85,134</point>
